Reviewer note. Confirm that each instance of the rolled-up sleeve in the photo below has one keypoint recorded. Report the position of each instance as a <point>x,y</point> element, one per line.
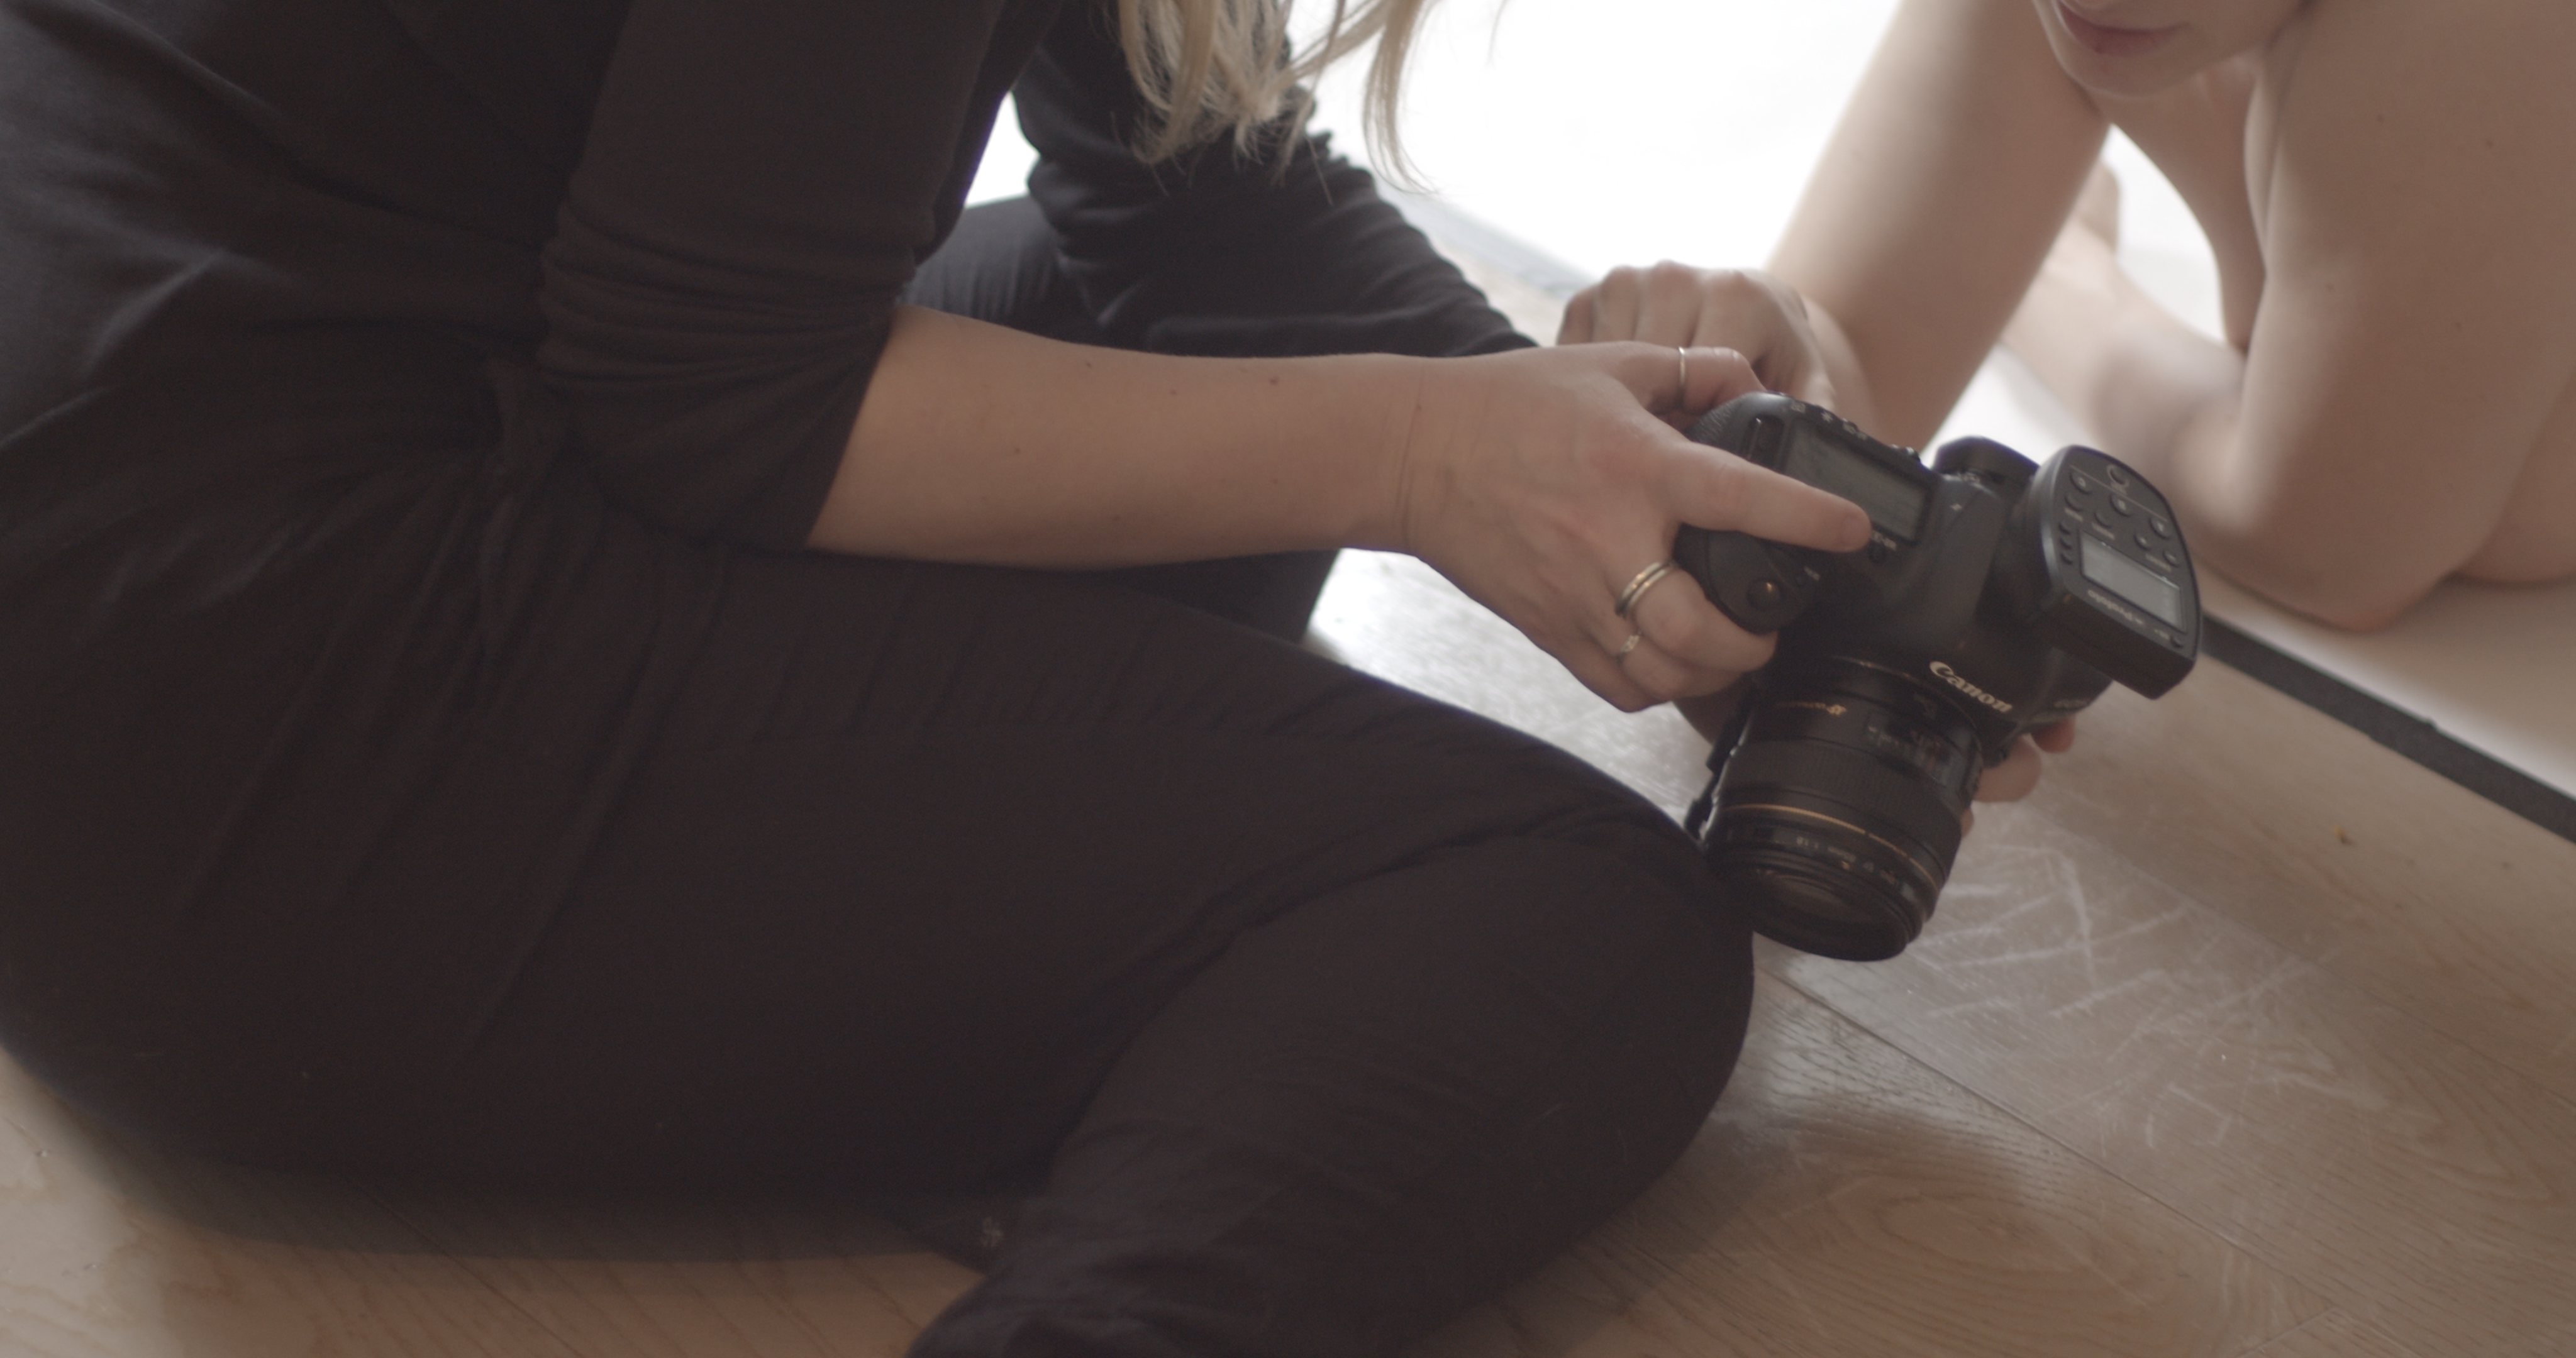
<point>1219,253</point>
<point>759,180</point>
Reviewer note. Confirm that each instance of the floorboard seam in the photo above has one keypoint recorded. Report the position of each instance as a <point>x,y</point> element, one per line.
<point>2407,734</point>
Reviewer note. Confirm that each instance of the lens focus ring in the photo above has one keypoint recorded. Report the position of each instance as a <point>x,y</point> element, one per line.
<point>1837,813</point>
<point>1904,803</point>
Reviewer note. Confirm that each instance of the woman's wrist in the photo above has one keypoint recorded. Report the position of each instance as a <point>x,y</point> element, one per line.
<point>1423,411</point>
<point>981,444</point>
<point>1360,425</point>
<point>2068,321</point>
<point>1843,387</point>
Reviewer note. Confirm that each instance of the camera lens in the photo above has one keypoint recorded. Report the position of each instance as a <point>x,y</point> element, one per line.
<point>1837,813</point>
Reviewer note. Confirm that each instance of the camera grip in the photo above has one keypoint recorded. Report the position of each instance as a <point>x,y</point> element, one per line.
<point>1762,585</point>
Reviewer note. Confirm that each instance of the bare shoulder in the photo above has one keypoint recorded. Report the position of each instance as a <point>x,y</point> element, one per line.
<point>2410,164</point>
<point>1949,174</point>
<point>2373,102</point>
<point>2411,183</point>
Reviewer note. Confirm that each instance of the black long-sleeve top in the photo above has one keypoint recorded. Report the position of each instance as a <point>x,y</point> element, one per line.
<point>692,217</point>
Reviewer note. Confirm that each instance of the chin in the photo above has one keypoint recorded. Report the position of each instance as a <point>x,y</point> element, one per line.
<point>2121,79</point>
<point>2122,63</point>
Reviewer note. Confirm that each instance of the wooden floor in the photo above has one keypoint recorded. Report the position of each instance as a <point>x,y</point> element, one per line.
<point>2242,1036</point>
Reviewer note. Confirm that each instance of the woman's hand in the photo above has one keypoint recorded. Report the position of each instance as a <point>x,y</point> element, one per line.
<point>1746,310</point>
<point>2013,779</point>
<point>2080,282</point>
<point>1545,483</point>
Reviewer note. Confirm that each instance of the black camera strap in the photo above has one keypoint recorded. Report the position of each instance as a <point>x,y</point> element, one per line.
<point>1697,817</point>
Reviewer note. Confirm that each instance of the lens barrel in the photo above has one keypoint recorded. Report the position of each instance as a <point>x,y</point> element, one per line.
<point>1837,811</point>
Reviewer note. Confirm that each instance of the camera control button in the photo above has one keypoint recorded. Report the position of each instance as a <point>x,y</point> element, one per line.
<point>2173,558</point>
<point>2102,519</point>
<point>2121,505</point>
<point>2086,484</point>
<point>1765,594</point>
<point>2163,529</point>
<point>2146,544</point>
<point>2111,472</point>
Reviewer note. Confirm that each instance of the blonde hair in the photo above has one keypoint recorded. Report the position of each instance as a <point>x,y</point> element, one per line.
<point>1210,67</point>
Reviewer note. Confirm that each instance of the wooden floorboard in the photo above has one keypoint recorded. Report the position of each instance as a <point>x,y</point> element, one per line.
<point>2242,1036</point>
<point>112,1251</point>
<point>2232,954</point>
<point>2417,1183</point>
<point>2383,873</point>
<point>2334,1335</point>
<point>710,1279</point>
<point>1846,1199</point>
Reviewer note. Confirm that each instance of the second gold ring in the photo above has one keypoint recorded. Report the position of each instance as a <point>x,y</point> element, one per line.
<point>1638,585</point>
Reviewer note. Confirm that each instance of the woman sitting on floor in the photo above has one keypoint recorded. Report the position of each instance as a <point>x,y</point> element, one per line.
<point>573,619</point>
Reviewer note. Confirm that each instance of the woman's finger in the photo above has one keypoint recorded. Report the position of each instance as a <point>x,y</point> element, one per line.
<point>1614,306</point>
<point>1671,306</point>
<point>1760,315</point>
<point>1703,650</point>
<point>2013,779</point>
<point>1575,326</point>
<point>1669,643</point>
<point>1721,491</point>
<point>1710,377</point>
<point>1604,668</point>
<point>1671,303</point>
<point>2018,775</point>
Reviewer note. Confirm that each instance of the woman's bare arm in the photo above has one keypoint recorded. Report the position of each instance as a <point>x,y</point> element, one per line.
<point>1539,481</point>
<point>1932,206</point>
<point>980,443</point>
<point>1956,161</point>
<point>2417,328</point>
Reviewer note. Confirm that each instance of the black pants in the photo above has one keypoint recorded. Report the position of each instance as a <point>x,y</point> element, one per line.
<point>376,801</point>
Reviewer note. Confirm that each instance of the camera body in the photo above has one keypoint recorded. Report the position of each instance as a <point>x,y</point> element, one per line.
<point>1995,595</point>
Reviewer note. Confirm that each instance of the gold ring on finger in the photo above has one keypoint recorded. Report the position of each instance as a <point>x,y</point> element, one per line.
<point>1641,582</point>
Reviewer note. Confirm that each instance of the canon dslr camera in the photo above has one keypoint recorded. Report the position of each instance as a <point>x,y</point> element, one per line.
<point>1994,596</point>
